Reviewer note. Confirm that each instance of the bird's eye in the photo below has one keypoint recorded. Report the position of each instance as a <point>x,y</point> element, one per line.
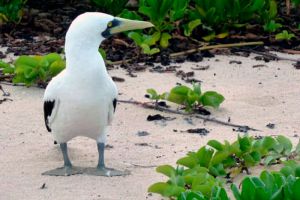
<point>110,24</point>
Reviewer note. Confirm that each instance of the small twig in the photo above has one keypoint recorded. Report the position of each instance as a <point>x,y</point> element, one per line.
<point>288,6</point>
<point>216,47</point>
<point>118,62</point>
<point>13,84</point>
<point>270,55</point>
<point>196,50</point>
<point>5,99</point>
<point>3,76</point>
<point>163,109</point>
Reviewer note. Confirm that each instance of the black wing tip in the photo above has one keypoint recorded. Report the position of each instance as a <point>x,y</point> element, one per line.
<point>48,107</point>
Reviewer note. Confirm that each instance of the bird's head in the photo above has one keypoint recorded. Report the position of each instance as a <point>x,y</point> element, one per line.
<point>92,28</point>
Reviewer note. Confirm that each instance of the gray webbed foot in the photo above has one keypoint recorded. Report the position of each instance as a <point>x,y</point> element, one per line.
<point>64,171</point>
<point>103,171</point>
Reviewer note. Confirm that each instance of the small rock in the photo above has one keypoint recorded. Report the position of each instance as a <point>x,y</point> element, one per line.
<point>142,133</point>
<point>155,117</point>
<point>270,126</point>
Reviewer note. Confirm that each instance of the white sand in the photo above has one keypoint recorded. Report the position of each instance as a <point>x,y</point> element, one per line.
<point>27,148</point>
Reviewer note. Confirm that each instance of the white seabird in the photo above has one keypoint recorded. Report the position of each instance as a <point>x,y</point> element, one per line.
<point>81,100</point>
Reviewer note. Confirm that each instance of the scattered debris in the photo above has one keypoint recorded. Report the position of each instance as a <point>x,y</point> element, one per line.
<point>201,111</point>
<point>163,104</point>
<point>270,126</point>
<point>143,144</point>
<point>198,67</point>
<point>229,119</point>
<point>108,146</point>
<point>186,76</point>
<point>199,131</point>
<point>142,133</point>
<point>195,57</point>
<point>297,65</point>
<point>235,62</point>
<point>155,117</point>
<point>5,99</point>
<point>260,65</point>
<point>43,186</point>
<point>117,79</point>
<point>243,129</point>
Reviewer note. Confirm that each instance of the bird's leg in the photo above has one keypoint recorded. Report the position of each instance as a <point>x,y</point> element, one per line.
<point>101,148</point>
<point>68,169</point>
<point>101,170</point>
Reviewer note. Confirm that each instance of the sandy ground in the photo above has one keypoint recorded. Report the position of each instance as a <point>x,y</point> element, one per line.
<point>254,97</point>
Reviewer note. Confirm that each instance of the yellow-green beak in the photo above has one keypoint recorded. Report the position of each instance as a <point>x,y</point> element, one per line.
<point>127,25</point>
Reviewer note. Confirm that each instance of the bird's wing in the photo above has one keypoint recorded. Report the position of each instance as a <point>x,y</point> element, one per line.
<point>48,108</point>
<point>51,100</point>
<point>112,109</point>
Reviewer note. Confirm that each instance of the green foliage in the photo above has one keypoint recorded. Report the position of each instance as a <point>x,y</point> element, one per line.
<point>113,7</point>
<point>296,2</point>
<point>204,19</point>
<point>34,69</point>
<point>11,10</point>
<point>284,35</point>
<point>189,97</point>
<point>145,42</point>
<point>269,186</point>
<point>164,14</point>
<point>272,26</point>
<point>200,178</point>
<point>221,15</point>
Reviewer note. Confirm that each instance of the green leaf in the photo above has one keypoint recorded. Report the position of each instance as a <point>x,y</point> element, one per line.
<point>217,170</point>
<point>219,193</point>
<point>188,28</point>
<point>222,35</point>
<point>52,57</point>
<point>164,40</point>
<point>165,189</point>
<point>287,170</point>
<point>248,187</point>
<point>216,144</point>
<point>209,37</point>
<point>166,170</point>
<point>269,160</point>
<point>153,94</point>
<point>102,53</point>
<point>245,143</point>
<point>219,157</point>
<point>187,161</point>
<point>152,39</point>
<point>211,98</point>
<point>178,94</point>
<point>284,35</point>
<point>136,37</point>
<point>190,195</point>
<point>286,143</point>
<point>236,192</point>
<point>296,189</point>
<point>130,15</point>
<point>56,67</point>
<point>148,50</point>
<point>26,60</point>
<point>204,156</point>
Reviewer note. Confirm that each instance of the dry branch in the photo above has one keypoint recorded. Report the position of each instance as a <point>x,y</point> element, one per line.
<point>209,119</point>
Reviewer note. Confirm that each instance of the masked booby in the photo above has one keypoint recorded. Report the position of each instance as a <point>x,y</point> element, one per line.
<point>82,99</point>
